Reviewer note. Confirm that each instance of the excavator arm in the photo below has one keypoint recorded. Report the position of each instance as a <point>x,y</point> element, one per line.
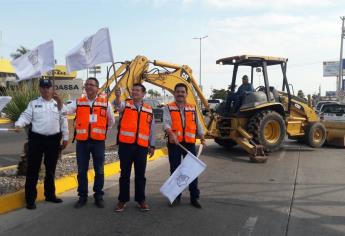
<point>164,75</point>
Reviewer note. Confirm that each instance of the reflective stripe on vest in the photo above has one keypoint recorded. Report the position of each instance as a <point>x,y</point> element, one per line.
<point>80,103</point>
<point>185,132</point>
<point>99,131</point>
<point>126,133</point>
<point>81,131</point>
<point>134,126</point>
<point>86,130</point>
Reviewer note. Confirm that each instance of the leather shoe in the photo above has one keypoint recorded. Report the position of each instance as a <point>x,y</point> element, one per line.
<point>120,206</point>
<point>99,203</point>
<point>143,206</point>
<point>31,206</point>
<point>54,200</point>
<point>80,203</point>
<point>195,204</point>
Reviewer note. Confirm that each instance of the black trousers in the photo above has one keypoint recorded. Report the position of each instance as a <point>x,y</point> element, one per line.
<point>39,145</point>
<point>176,154</point>
<point>129,154</point>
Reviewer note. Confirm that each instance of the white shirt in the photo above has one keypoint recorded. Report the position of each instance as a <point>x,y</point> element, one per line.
<point>72,107</point>
<point>44,117</point>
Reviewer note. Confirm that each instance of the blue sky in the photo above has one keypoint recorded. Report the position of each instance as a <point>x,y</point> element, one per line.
<point>307,32</point>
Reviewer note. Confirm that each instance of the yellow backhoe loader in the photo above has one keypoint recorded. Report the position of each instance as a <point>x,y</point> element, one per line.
<point>263,119</point>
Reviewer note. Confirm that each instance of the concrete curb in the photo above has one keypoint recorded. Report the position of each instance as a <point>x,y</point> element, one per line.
<point>12,201</point>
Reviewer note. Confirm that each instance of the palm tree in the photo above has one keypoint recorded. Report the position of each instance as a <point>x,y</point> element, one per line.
<point>19,52</point>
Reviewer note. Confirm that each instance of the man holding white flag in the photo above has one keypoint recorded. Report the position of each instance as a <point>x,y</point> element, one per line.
<point>93,50</point>
<point>35,62</point>
<point>189,169</point>
<point>182,124</point>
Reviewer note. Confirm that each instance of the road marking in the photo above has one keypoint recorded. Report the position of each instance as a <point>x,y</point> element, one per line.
<point>248,227</point>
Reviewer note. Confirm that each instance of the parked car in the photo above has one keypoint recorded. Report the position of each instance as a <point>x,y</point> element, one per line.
<point>332,112</point>
<point>157,108</point>
<point>321,103</point>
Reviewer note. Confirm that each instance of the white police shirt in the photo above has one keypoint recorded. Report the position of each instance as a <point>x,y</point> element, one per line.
<point>44,117</point>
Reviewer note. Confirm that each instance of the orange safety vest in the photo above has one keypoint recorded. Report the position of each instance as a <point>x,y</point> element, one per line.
<point>83,128</point>
<point>134,126</point>
<point>185,132</point>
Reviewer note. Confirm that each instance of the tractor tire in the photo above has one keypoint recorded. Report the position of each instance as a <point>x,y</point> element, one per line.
<point>226,143</point>
<point>315,135</point>
<point>268,129</point>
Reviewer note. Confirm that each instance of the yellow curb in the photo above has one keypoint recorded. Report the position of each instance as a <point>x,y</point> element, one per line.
<point>8,167</point>
<point>12,201</point>
<point>5,121</point>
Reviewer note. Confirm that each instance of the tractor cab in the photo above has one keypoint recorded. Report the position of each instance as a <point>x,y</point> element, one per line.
<point>262,93</point>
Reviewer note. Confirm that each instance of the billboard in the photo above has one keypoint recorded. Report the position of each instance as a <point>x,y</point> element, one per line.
<point>331,68</point>
<point>70,89</point>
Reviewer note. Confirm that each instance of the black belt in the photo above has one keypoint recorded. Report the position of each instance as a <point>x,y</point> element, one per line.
<point>33,135</point>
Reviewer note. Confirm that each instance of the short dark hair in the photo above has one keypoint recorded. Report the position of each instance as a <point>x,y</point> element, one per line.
<point>94,79</point>
<point>141,86</point>
<point>181,85</point>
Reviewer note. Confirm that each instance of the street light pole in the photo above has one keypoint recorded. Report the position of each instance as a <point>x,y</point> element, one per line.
<point>341,56</point>
<point>200,38</point>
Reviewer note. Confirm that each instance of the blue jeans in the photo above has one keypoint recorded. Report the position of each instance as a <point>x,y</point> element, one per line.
<point>97,149</point>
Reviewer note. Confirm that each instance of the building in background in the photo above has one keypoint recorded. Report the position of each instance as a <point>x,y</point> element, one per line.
<point>8,76</point>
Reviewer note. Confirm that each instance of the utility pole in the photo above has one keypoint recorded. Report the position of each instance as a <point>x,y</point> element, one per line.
<point>200,38</point>
<point>340,82</point>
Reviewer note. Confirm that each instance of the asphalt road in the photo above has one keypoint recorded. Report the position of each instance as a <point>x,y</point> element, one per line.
<point>12,143</point>
<point>299,191</point>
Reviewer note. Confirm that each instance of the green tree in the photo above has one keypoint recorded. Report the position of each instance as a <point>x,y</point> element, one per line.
<point>156,94</point>
<point>153,93</point>
<point>219,94</point>
<point>150,92</point>
<point>19,52</point>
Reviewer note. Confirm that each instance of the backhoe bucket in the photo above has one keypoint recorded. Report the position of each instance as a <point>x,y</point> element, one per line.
<point>335,133</point>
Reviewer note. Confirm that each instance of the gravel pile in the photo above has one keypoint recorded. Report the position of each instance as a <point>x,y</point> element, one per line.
<point>67,165</point>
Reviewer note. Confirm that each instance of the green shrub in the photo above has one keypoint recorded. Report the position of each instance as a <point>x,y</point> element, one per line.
<point>21,96</point>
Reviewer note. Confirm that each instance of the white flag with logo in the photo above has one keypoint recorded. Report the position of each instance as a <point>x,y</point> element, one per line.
<point>93,50</point>
<point>189,169</point>
<point>35,62</point>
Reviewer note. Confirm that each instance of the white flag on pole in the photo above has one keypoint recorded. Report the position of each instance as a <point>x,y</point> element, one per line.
<point>189,169</point>
<point>35,62</point>
<point>93,50</point>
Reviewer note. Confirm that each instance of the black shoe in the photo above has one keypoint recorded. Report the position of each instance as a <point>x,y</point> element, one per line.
<point>80,203</point>
<point>99,203</point>
<point>53,199</point>
<point>176,202</point>
<point>195,203</point>
<point>31,206</point>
